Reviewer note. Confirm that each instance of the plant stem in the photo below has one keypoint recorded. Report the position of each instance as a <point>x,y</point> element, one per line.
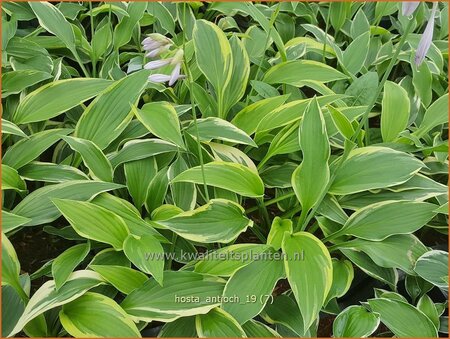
<point>94,62</point>
<point>326,37</point>
<point>264,212</point>
<point>77,57</point>
<point>271,202</point>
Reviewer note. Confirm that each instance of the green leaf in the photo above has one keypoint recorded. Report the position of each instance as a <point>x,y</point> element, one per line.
<point>316,152</point>
<point>129,214</point>
<point>342,278</point>
<point>355,322</point>
<point>16,81</point>
<point>11,267</point>
<point>26,150</point>
<point>94,222</point>
<point>93,158</point>
<point>338,12</point>
<point>152,302</point>
<point>403,319</point>
<point>233,177</point>
<point>219,129</point>
<point>398,251</point>
<point>101,40</point>
<point>161,119</point>
<point>66,262</point>
<point>53,21</point>
<point>214,57</point>
<point>219,324</point>
<point>381,220</point>
<point>395,111</point>
<point>124,29</point>
<point>50,172</point>
<point>219,220</point>
<point>139,174</point>
<point>182,327</point>
<point>433,267</point>
<point>48,297</point>
<point>371,167</point>
<point>141,149</point>
<point>123,278</point>
<point>388,276</point>
<point>12,221</point>
<point>434,116</point>
<point>427,306</point>
<point>105,318</point>
<point>355,55</point>
<point>9,128</point>
<point>11,179</point>
<point>147,254</point>
<point>218,263</point>
<point>39,207</point>
<point>291,112</point>
<point>341,122</point>
<point>111,111</point>
<point>309,275</point>
<point>277,229</point>
<point>252,286</point>
<point>255,329</point>
<point>52,99</point>
<point>235,88</point>
<point>250,116</point>
<point>296,72</point>
<point>284,310</point>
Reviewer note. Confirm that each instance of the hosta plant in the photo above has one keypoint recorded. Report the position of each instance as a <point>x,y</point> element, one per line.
<point>235,169</point>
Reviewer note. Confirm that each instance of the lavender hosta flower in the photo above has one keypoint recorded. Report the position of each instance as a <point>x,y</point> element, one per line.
<point>157,51</point>
<point>155,41</point>
<point>157,64</point>
<point>426,39</point>
<point>159,78</point>
<point>408,7</point>
<point>175,75</point>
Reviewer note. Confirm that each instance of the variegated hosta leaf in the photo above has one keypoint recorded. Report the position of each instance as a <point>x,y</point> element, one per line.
<point>215,128</point>
<point>93,157</point>
<point>233,177</point>
<point>161,119</point>
<point>57,97</point>
<point>254,281</point>
<point>123,278</point>
<point>216,263</point>
<point>316,151</point>
<point>381,220</point>
<point>183,294</point>
<point>433,267</point>
<point>38,205</point>
<point>26,150</point>
<point>355,322</point>
<point>218,323</point>
<point>48,297</point>
<point>398,251</point>
<point>105,318</point>
<point>403,319</point>
<point>218,221</point>
<point>94,222</point>
<point>110,112</point>
<point>372,167</point>
<point>309,271</point>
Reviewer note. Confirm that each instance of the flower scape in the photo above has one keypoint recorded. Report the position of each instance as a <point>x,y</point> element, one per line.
<point>224,169</point>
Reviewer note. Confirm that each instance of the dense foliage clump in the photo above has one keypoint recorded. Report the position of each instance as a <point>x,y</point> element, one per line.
<point>231,169</point>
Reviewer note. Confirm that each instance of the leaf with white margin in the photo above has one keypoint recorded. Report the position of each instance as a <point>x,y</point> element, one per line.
<point>48,297</point>
<point>219,220</point>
